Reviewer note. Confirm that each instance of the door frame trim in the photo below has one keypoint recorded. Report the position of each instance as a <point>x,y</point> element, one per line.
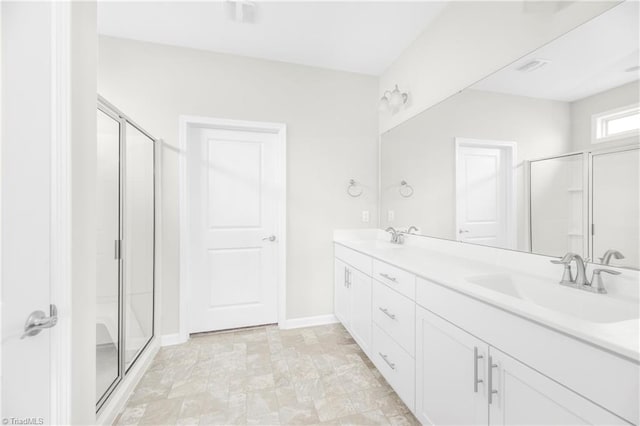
<point>60,245</point>
<point>280,130</point>
<point>511,148</point>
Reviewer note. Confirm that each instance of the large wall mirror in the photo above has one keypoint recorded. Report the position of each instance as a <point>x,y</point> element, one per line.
<point>542,156</point>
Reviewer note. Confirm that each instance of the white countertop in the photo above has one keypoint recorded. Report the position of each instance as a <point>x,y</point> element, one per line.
<point>621,338</point>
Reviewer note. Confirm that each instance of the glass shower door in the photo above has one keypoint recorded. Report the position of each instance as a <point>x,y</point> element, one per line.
<point>107,263</point>
<point>138,242</point>
<point>125,247</point>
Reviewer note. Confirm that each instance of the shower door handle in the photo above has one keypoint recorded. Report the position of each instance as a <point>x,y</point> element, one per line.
<point>38,321</point>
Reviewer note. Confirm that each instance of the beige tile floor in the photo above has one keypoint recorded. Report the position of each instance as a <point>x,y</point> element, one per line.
<point>265,376</point>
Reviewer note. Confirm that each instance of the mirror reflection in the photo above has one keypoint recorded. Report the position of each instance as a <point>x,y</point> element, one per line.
<point>542,156</point>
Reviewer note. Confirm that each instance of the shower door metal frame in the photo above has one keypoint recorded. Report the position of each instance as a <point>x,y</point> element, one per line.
<point>110,110</point>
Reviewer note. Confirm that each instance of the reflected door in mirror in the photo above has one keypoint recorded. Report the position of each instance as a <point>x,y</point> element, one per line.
<point>484,201</point>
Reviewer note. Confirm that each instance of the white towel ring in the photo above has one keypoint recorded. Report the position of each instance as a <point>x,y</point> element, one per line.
<point>353,189</point>
<point>405,190</point>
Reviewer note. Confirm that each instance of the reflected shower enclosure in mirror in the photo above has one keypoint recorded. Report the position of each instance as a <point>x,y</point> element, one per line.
<point>541,156</point>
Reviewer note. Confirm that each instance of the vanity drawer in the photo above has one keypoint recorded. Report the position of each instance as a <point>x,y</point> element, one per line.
<point>399,280</point>
<point>358,260</point>
<point>396,365</point>
<point>396,315</point>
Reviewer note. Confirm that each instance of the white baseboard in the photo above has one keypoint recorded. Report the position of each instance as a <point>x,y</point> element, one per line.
<point>118,399</point>
<point>173,339</point>
<point>308,321</point>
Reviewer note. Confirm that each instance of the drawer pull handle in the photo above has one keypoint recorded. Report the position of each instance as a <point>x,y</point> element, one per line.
<point>476,381</point>
<point>389,363</point>
<point>490,380</point>
<point>386,312</point>
<point>387,276</point>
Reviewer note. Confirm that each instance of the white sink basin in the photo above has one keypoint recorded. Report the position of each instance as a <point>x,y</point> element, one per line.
<point>385,245</point>
<point>599,308</point>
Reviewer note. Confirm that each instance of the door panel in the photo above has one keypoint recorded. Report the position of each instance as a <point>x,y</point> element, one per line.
<point>107,263</point>
<point>233,203</point>
<point>445,373</point>
<point>26,184</point>
<point>234,182</point>
<point>480,196</point>
<point>234,276</point>
<point>360,288</point>
<point>138,242</point>
<point>525,397</point>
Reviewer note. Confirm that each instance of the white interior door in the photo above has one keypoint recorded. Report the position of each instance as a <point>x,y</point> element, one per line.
<point>234,215</point>
<point>26,256</point>
<point>482,202</point>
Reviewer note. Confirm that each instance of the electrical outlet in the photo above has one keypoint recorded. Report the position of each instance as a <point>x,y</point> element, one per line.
<point>390,215</point>
<point>365,216</point>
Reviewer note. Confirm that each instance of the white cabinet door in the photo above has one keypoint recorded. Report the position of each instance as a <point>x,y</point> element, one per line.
<point>341,293</point>
<point>360,287</point>
<point>450,373</point>
<point>524,396</point>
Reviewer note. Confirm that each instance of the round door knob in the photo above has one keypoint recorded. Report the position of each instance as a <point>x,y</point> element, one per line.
<point>271,238</point>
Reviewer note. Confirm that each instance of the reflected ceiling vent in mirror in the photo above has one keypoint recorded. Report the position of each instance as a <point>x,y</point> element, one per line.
<point>533,65</point>
<point>392,100</point>
<point>536,7</point>
<point>242,11</point>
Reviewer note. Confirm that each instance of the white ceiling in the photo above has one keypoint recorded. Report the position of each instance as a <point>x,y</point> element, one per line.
<point>364,37</point>
<point>586,61</point>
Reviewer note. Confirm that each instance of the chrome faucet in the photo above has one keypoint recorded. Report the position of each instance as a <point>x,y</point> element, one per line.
<point>581,273</point>
<point>396,237</point>
<point>580,281</point>
<point>412,229</point>
<point>606,258</point>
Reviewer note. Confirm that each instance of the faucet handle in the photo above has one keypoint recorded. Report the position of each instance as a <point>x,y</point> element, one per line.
<point>567,258</point>
<point>597,285</point>
<point>567,276</point>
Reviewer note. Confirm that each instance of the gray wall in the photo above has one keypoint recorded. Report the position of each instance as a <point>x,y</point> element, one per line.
<point>332,136</point>
<point>422,152</point>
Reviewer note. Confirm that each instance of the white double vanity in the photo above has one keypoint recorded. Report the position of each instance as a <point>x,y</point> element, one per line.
<point>476,335</point>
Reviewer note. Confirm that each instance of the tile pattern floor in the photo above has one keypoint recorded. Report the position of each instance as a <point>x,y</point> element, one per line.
<point>265,376</point>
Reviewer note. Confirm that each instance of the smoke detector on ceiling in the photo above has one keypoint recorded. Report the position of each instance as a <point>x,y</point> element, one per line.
<point>243,11</point>
<point>534,64</point>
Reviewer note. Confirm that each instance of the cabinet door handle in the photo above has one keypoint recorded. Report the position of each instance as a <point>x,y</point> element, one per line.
<point>345,277</point>
<point>386,312</point>
<point>386,359</point>
<point>387,276</point>
<point>490,379</point>
<point>476,357</point>
<point>348,278</point>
